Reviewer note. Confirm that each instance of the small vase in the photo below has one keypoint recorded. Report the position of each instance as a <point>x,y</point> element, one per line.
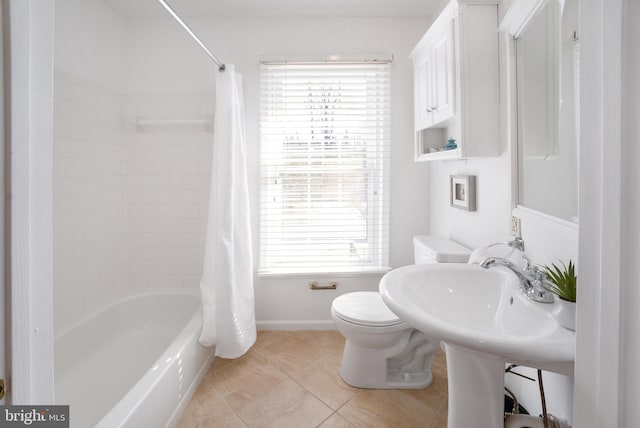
<point>565,314</point>
<point>451,144</point>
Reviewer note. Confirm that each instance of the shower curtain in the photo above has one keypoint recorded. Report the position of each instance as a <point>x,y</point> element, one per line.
<point>226,286</point>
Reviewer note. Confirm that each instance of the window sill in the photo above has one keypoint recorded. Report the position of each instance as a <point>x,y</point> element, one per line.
<point>276,273</point>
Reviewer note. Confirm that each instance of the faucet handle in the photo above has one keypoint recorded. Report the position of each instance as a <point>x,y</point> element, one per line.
<point>539,291</point>
<point>534,271</point>
<point>540,274</point>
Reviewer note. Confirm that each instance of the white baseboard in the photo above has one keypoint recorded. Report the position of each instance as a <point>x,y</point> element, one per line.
<point>296,325</point>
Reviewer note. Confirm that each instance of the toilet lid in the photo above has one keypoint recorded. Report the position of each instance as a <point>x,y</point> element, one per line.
<point>364,308</point>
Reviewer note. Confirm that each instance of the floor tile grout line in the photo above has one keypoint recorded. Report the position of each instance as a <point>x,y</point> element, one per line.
<point>326,419</point>
<point>289,376</point>
<point>318,398</point>
<point>286,377</point>
<point>245,423</point>
<point>333,411</point>
<point>265,393</point>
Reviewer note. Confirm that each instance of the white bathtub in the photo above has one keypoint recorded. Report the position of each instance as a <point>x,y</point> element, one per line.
<point>134,364</point>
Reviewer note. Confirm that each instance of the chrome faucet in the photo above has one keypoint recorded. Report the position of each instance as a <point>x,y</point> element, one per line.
<point>532,279</point>
<point>516,243</point>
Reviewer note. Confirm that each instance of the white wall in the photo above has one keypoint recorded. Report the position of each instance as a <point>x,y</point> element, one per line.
<point>90,42</point>
<point>490,222</point>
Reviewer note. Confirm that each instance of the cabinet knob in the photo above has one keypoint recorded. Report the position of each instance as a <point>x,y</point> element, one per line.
<point>434,108</point>
<point>428,110</point>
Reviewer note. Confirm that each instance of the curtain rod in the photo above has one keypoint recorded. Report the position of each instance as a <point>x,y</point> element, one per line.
<point>192,34</point>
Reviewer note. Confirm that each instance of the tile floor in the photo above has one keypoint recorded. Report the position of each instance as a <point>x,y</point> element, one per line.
<point>291,379</point>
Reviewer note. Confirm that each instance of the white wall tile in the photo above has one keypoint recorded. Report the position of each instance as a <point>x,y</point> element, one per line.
<point>187,182</point>
<point>165,192</point>
<point>128,205</point>
<point>89,204</point>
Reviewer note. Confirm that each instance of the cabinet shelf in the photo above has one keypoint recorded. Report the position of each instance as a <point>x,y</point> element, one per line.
<point>441,155</point>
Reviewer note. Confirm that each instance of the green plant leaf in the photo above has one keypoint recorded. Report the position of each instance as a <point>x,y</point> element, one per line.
<point>563,281</point>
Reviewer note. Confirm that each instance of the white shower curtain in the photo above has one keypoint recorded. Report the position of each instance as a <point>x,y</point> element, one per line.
<point>226,286</point>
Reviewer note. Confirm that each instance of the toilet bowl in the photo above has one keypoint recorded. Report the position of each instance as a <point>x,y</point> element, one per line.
<point>382,351</point>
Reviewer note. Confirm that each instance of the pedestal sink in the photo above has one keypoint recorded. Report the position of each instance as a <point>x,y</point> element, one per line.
<point>485,321</point>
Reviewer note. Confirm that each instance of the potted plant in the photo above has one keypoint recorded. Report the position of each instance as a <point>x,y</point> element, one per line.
<point>563,282</point>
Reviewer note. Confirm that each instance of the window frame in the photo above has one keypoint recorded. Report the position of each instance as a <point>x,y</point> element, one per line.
<point>377,216</point>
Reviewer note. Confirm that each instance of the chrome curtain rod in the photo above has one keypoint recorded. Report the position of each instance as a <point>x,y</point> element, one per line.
<point>192,34</point>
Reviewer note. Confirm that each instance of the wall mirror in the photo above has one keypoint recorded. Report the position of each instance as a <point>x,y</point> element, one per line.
<point>547,81</point>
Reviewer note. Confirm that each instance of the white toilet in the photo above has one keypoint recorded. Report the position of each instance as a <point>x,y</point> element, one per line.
<point>382,351</point>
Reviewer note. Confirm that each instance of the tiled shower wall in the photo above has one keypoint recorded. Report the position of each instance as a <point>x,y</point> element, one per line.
<point>130,201</point>
<point>168,175</point>
<point>89,199</point>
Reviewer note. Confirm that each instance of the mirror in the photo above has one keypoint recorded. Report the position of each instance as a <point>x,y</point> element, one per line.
<point>548,81</point>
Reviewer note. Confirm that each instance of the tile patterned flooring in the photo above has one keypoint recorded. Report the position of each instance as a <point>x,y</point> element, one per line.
<point>290,379</point>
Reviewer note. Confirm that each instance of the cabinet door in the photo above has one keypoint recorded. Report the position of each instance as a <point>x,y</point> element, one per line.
<point>443,97</point>
<point>423,93</point>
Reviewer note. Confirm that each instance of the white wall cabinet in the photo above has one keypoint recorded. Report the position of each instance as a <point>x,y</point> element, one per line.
<point>456,83</point>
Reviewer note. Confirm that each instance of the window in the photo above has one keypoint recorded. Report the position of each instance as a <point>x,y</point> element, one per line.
<point>324,149</point>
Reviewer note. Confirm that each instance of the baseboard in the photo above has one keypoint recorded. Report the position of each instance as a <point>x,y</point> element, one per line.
<point>296,325</point>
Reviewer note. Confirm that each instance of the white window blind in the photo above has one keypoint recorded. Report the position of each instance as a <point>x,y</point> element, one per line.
<point>324,150</point>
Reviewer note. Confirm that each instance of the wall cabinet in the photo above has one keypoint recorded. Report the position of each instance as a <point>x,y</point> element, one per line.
<point>456,83</point>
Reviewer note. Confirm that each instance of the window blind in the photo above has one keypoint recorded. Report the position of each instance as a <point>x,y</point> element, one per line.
<point>324,150</point>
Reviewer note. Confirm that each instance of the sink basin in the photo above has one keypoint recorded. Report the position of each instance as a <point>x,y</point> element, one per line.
<point>484,321</point>
<point>479,309</point>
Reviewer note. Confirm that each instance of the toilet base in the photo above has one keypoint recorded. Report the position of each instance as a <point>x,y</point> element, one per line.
<point>406,366</point>
<point>395,380</point>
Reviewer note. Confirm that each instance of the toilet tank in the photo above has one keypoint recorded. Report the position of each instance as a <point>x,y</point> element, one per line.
<point>436,249</point>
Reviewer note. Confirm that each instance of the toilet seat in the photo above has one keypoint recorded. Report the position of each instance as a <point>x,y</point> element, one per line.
<point>365,308</point>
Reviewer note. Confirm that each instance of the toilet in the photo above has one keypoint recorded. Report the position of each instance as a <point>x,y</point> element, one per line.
<point>381,350</point>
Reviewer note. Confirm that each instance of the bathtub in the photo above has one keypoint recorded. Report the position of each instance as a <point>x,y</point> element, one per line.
<point>134,364</point>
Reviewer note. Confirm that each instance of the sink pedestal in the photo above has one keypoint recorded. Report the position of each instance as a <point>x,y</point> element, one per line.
<point>476,388</point>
